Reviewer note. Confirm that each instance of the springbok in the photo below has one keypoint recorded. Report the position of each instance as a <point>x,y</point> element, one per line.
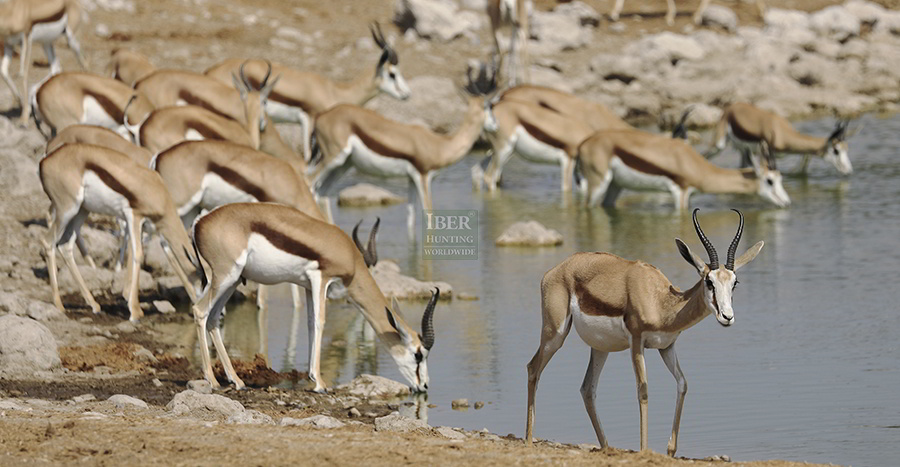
<point>301,95</point>
<point>618,304</point>
<point>270,243</point>
<point>670,11</point>
<point>171,88</point>
<point>637,160</point>
<point>28,21</point>
<point>351,136</point>
<point>83,178</point>
<point>128,66</point>
<point>747,126</point>
<point>71,98</point>
<point>593,114</point>
<point>513,14</point>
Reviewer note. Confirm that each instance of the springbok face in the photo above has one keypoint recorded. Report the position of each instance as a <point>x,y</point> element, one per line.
<point>836,153</point>
<point>411,352</point>
<point>255,100</point>
<point>719,281</point>
<point>387,73</point>
<point>771,188</point>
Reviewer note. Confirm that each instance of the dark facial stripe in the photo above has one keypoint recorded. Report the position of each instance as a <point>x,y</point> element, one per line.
<point>111,181</point>
<point>238,181</point>
<point>284,242</point>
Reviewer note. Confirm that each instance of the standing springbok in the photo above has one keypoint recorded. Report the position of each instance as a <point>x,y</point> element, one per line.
<point>618,304</point>
<point>748,126</point>
<point>128,66</point>
<point>171,87</point>
<point>637,160</point>
<point>70,98</point>
<point>270,243</point>
<point>28,21</point>
<point>351,136</point>
<point>513,14</point>
<point>593,114</point>
<point>83,178</point>
<point>670,11</point>
<point>301,95</point>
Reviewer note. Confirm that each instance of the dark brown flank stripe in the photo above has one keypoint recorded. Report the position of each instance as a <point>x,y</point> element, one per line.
<point>190,98</point>
<point>642,165</point>
<point>542,136</point>
<point>52,18</point>
<point>238,181</point>
<point>284,242</point>
<point>205,130</point>
<point>741,133</point>
<point>113,183</point>
<point>591,306</point>
<point>108,106</point>
<point>379,148</point>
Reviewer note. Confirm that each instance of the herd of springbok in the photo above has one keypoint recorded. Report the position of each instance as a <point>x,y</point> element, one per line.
<point>196,158</point>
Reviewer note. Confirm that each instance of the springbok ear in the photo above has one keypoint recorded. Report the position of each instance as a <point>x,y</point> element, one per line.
<point>239,86</point>
<point>748,255</point>
<point>690,257</point>
<point>404,336</point>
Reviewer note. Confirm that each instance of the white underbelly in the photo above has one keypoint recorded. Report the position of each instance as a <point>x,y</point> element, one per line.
<point>267,264</point>
<point>368,161</point>
<point>632,179</point>
<point>604,333</point>
<point>534,150</point>
<point>93,114</point>
<point>48,32</point>
<point>100,198</point>
<point>282,113</point>
<point>218,192</point>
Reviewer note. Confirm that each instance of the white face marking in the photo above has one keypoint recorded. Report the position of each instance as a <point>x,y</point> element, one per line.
<point>633,179</point>
<point>534,150</point>
<point>836,154</point>
<point>392,83</point>
<point>217,192</point>
<point>372,163</point>
<point>193,135</point>
<point>414,372</point>
<point>100,198</point>
<point>268,265</point>
<point>92,113</point>
<point>772,190</point>
<point>48,32</point>
<point>721,290</point>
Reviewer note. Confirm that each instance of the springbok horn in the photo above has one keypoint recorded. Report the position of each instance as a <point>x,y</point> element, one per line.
<point>710,249</point>
<point>376,34</point>
<point>268,73</point>
<point>373,253</point>
<point>366,255</point>
<point>428,320</point>
<point>729,261</point>
<point>244,77</point>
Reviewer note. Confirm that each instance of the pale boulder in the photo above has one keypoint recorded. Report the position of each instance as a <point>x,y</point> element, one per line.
<point>26,346</point>
<point>530,233</point>
<point>375,387</point>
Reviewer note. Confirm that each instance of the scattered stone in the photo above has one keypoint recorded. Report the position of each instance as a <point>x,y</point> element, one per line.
<point>435,19</point>
<point>12,405</point>
<point>26,346</point>
<point>201,386</point>
<point>466,296</point>
<point>835,22</point>
<point>717,15</point>
<point>555,32</point>
<point>354,413</point>
<point>449,433</point>
<point>121,400</point>
<point>718,458</point>
<point>34,309</point>
<point>458,404</point>
<point>397,422</point>
<point>375,387</point>
<point>163,306</point>
<point>125,327</point>
<point>579,11</point>
<point>393,284</point>
<point>84,398</point>
<point>479,405</point>
<point>366,194</point>
<point>530,233</point>
<point>189,401</point>
<point>144,355</point>
<point>250,417</point>
<point>156,382</point>
<point>316,421</point>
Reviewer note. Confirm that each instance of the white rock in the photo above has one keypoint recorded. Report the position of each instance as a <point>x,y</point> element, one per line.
<point>717,15</point>
<point>374,387</point>
<point>366,194</point>
<point>703,115</point>
<point>778,19</point>
<point>835,22</point>
<point>84,398</point>
<point>144,355</point>
<point>393,284</point>
<point>250,417</point>
<point>674,46</point>
<point>555,33</point>
<point>163,306</point>
<point>189,401</point>
<point>435,19</point>
<point>125,327</point>
<point>888,23</point>
<point>26,345</point>
<point>865,11</point>
<point>397,422</point>
<point>121,400</point>
<point>579,11</point>
<point>201,386</point>
<point>10,404</point>
<point>294,35</point>
<point>449,433</point>
<point>34,309</point>
<point>530,233</point>
<point>434,103</point>
<point>316,421</point>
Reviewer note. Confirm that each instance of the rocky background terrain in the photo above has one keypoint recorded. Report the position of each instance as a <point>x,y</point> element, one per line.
<point>80,387</point>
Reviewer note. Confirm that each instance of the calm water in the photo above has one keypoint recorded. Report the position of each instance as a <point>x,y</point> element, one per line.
<point>809,371</point>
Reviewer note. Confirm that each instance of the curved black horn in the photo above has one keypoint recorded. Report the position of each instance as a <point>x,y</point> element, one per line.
<point>428,320</point>
<point>244,77</point>
<point>729,260</point>
<point>680,130</point>
<point>376,34</point>
<point>373,253</point>
<point>365,253</point>
<point>265,79</point>
<point>710,249</point>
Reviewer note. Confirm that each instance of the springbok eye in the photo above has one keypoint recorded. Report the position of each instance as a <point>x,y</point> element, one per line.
<point>736,282</point>
<point>709,284</point>
<point>770,181</point>
<point>419,356</point>
<point>392,75</point>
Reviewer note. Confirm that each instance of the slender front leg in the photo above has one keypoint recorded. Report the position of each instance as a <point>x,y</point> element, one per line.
<point>640,375</point>
<point>315,309</point>
<point>411,189</point>
<point>589,390</point>
<point>232,376</point>
<point>52,270</point>
<point>4,70</point>
<point>76,47</point>
<point>262,319</point>
<point>201,315</point>
<point>79,241</point>
<point>68,251</point>
<point>134,266</point>
<point>52,59</point>
<point>671,360</point>
<point>551,341</point>
<point>617,8</point>
<point>26,65</point>
<point>670,12</point>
